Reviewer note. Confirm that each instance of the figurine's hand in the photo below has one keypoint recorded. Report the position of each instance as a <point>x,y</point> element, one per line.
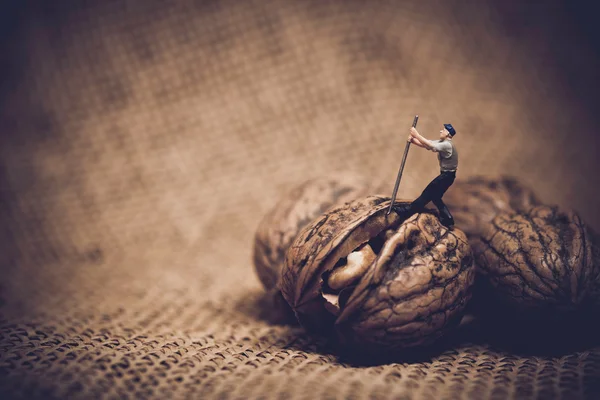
<point>410,138</point>
<point>413,132</point>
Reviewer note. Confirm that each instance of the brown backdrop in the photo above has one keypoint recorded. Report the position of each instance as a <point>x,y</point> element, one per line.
<point>142,141</point>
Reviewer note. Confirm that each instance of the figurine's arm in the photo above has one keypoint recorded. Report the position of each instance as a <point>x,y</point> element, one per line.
<point>425,143</point>
<point>415,141</point>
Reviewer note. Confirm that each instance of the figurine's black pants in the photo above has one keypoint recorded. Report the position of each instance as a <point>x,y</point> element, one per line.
<point>434,192</point>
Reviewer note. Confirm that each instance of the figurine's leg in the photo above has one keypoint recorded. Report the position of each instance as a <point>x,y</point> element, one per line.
<point>417,205</point>
<point>420,202</point>
<point>445,216</point>
<point>435,189</point>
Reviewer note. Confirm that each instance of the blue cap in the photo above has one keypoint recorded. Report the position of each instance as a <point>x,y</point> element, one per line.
<point>450,129</point>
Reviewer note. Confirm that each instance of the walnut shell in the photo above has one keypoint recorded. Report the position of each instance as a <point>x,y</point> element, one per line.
<point>474,203</point>
<point>542,259</point>
<point>411,291</point>
<point>291,213</point>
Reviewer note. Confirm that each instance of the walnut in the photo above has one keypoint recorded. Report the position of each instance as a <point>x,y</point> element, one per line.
<point>373,280</point>
<point>475,202</point>
<point>539,260</point>
<point>291,213</point>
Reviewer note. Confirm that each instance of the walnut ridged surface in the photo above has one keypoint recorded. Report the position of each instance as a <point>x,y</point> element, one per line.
<point>538,259</point>
<point>414,291</point>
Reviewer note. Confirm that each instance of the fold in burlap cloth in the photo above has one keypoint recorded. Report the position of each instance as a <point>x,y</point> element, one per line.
<point>142,141</point>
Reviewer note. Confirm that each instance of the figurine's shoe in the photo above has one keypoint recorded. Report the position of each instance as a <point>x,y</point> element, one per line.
<point>447,222</point>
<point>403,210</point>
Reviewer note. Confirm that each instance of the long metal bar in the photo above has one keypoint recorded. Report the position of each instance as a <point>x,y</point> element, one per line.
<point>395,192</point>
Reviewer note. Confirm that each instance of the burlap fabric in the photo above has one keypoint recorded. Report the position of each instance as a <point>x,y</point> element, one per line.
<point>142,141</point>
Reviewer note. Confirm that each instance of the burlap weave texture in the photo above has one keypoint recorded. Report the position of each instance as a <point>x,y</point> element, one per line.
<point>142,141</point>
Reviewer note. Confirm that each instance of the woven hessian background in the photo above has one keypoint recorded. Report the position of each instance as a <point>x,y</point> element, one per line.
<point>142,141</point>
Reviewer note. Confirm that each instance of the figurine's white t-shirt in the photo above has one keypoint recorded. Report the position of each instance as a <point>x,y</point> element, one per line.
<point>447,154</point>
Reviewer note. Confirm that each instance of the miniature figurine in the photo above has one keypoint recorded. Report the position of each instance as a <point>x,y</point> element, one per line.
<point>448,159</point>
